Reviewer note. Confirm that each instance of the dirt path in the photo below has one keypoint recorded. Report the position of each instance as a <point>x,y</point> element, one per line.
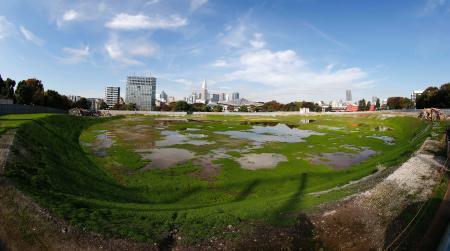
<point>6,141</point>
<point>365,221</point>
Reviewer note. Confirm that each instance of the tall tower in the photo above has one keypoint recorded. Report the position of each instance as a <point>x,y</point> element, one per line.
<point>204,92</point>
<point>348,95</point>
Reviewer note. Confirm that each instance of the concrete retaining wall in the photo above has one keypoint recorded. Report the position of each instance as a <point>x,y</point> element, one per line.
<point>24,109</point>
<point>117,113</point>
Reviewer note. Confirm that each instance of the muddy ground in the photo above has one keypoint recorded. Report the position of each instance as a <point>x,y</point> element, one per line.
<point>367,220</point>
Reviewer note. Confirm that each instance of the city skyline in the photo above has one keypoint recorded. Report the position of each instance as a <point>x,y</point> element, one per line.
<point>267,50</point>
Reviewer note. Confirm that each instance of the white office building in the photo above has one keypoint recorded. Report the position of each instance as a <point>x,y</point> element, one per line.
<point>415,94</point>
<point>141,91</point>
<point>112,96</point>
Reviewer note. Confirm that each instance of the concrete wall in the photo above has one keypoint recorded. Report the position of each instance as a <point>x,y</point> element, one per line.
<point>253,113</point>
<point>117,113</point>
<point>23,109</point>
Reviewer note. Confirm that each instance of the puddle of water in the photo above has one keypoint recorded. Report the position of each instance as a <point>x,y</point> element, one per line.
<point>387,139</point>
<point>277,133</point>
<point>166,157</point>
<point>341,160</point>
<point>333,128</point>
<point>196,135</point>
<point>102,142</point>
<point>254,161</point>
<point>175,138</point>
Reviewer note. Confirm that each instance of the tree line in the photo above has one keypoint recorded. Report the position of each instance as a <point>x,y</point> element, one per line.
<point>271,106</point>
<point>31,92</point>
<point>434,97</point>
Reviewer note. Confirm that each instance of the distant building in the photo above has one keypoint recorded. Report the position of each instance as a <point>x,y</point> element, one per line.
<point>94,103</point>
<point>73,98</point>
<point>163,97</point>
<point>112,96</point>
<point>348,95</point>
<point>235,96</point>
<point>171,99</point>
<point>141,91</point>
<point>204,95</point>
<point>223,97</point>
<point>351,108</point>
<point>215,97</point>
<point>238,103</point>
<point>415,94</point>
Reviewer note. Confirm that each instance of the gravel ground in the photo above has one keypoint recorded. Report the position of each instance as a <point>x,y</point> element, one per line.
<point>361,222</point>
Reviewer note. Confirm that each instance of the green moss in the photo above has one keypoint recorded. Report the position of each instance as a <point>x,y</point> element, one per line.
<point>113,196</point>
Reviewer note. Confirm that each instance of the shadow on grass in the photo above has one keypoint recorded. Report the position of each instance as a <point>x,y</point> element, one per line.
<point>247,190</point>
<point>280,214</point>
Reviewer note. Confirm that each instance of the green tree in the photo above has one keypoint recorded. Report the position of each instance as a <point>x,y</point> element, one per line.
<point>2,86</point>
<point>131,107</point>
<point>9,88</point>
<point>230,108</point>
<point>272,106</point>
<point>399,103</point>
<point>182,106</point>
<point>243,108</point>
<point>103,106</point>
<point>55,100</point>
<point>362,105</point>
<point>217,108</point>
<point>378,104</point>
<point>82,103</point>
<point>368,105</point>
<point>30,91</point>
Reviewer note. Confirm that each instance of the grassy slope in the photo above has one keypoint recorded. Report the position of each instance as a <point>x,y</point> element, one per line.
<point>99,195</point>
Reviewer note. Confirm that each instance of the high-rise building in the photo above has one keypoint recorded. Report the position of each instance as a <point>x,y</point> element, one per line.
<point>204,95</point>
<point>415,94</point>
<point>223,97</point>
<point>235,96</point>
<point>141,91</point>
<point>112,96</point>
<point>348,95</point>
<point>215,97</point>
<point>163,97</point>
<point>73,98</point>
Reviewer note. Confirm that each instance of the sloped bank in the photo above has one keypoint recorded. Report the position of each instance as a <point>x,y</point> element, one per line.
<point>53,143</point>
<point>25,225</point>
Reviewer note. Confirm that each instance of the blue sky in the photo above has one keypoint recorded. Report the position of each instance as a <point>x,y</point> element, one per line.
<point>282,50</point>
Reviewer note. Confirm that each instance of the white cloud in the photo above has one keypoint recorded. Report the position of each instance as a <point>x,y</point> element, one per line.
<point>150,2</point>
<point>31,37</point>
<point>195,4</point>
<point>234,36</point>
<point>6,28</point>
<point>126,51</point>
<point>125,21</point>
<point>432,5</point>
<point>288,75</point>
<point>257,41</point>
<point>71,15</point>
<point>75,55</point>
<point>220,63</point>
<point>326,36</point>
<point>183,81</point>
